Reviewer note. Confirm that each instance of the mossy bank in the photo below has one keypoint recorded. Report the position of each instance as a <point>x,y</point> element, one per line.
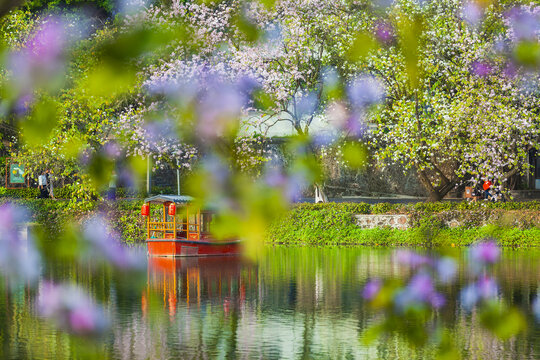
<point>512,224</point>
<point>515,224</point>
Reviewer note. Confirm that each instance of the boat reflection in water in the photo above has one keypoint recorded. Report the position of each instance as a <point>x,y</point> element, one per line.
<point>192,281</point>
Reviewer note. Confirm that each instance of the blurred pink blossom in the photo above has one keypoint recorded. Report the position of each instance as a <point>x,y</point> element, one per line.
<point>41,62</point>
<point>481,68</point>
<point>486,252</point>
<point>371,289</point>
<point>384,32</point>
<point>71,309</point>
<point>106,244</point>
<point>472,13</point>
<point>19,258</point>
<point>411,258</point>
<point>365,90</point>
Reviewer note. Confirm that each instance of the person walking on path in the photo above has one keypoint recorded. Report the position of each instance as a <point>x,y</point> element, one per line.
<point>42,186</point>
<point>487,188</point>
<point>50,186</point>
<point>111,194</point>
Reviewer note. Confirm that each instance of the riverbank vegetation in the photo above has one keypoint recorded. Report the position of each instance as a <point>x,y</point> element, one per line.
<point>515,224</point>
<point>432,224</point>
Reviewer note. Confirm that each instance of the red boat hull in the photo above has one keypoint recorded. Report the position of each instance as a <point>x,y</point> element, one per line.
<point>179,247</point>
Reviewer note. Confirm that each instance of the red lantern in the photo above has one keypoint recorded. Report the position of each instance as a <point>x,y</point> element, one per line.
<point>145,210</point>
<point>172,209</point>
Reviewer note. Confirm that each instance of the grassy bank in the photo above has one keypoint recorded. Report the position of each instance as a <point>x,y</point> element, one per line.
<point>512,224</point>
<point>54,215</point>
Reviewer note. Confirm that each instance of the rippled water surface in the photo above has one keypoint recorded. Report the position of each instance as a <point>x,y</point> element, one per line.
<point>295,303</point>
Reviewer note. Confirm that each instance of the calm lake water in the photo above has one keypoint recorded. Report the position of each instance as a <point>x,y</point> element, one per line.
<point>295,303</point>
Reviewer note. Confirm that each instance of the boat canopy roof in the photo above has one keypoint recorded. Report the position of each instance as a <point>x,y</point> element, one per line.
<point>160,199</point>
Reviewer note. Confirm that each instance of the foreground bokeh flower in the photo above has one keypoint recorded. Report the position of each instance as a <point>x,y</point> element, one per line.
<point>486,252</point>
<point>411,258</point>
<point>371,289</point>
<point>19,258</point>
<point>106,244</point>
<point>484,289</point>
<point>41,62</point>
<point>71,309</point>
<point>419,291</point>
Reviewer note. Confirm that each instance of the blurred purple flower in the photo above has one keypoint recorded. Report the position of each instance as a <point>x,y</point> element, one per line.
<point>384,32</point>
<point>126,177</point>
<point>295,182</point>
<point>41,61</point>
<point>355,126</point>
<point>446,269</point>
<point>405,299</point>
<point>48,42</point>
<point>536,308</point>
<point>19,258</point>
<point>324,139</point>
<point>437,300</point>
<point>305,105</point>
<point>524,23</point>
<point>483,289</point>
<point>365,90</point>
<point>486,252</point>
<point>291,184</point>
<point>159,133</point>
<point>219,109</point>
<point>469,296</point>
<point>112,150</point>
<point>487,288</point>
<point>419,291</point>
<point>71,309</point>
<point>411,258</point>
<point>23,103</point>
<point>482,69</point>
<point>217,168</point>
<point>472,13</point>
<point>246,85</point>
<point>510,70</point>
<point>107,244</point>
<point>371,289</point>
<point>421,287</point>
<point>274,177</point>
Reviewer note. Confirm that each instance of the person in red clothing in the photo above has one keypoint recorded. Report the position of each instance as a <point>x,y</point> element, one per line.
<point>487,188</point>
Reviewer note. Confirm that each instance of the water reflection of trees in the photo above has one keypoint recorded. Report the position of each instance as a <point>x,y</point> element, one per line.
<point>296,303</point>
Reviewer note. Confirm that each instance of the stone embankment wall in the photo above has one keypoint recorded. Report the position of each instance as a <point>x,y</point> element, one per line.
<point>383,221</point>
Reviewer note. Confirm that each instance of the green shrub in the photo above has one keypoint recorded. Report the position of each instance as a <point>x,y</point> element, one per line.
<point>383,208</point>
<point>21,193</point>
<point>334,224</point>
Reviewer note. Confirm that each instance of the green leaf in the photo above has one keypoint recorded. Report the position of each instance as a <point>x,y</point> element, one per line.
<point>355,154</point>
<point>504,322</point>
<point>372,333</point>
<point>37,128</point>
<point>362,45</point>
<point>528,53</point>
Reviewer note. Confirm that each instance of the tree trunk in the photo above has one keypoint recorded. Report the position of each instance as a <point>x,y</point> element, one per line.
<point>320,196</point>
<point>436,193</point>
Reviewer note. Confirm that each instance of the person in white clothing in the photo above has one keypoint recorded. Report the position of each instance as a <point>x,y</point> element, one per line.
<point>42,186</point>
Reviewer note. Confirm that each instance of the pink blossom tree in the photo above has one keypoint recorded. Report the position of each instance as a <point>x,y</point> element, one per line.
<point>456,107</point>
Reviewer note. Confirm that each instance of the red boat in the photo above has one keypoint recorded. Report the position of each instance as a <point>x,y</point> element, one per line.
<point>178,228</point>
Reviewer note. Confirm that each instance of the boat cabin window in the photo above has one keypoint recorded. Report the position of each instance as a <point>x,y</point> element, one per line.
<point>188,222</point>
<point>194,222</point>
<point>206,221</point>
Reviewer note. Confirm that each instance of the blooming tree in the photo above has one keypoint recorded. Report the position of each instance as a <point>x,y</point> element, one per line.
<point>456,108</point>
<point>290,58</point>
